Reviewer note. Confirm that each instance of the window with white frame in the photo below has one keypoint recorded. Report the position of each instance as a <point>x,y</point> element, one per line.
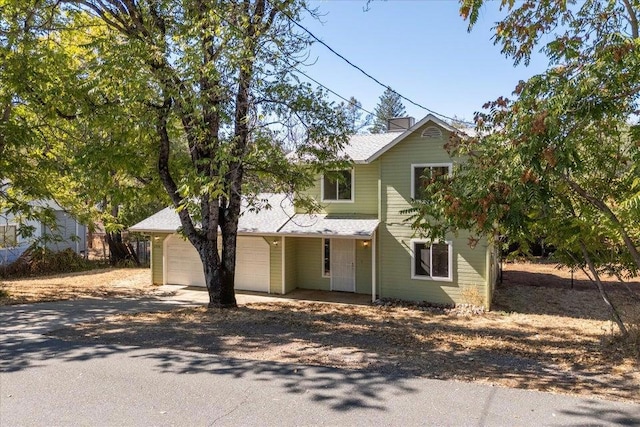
<point>337,186</point>
<point>326,257</point>
<point>8,236</point>
<point>431,260</point>
<point>422,175</point>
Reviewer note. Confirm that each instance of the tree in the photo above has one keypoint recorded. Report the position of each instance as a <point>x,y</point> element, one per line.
<point>57,112</point>
<point>210,79</point>
<point>389,106</point>
<point>354,116</point>
<point>562,160</point>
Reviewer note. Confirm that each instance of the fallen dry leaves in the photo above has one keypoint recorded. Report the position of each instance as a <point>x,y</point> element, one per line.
<point>540,345</point>
<point>542,334</point>
<point>112,282</point>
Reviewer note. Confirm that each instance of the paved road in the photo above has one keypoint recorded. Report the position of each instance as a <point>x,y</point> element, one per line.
<point>46,381</point>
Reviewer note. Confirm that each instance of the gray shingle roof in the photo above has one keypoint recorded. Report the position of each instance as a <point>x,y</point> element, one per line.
<point>278,220</point>
<point>361,147</point>
<point>264,221</point>
<point>321,225</point>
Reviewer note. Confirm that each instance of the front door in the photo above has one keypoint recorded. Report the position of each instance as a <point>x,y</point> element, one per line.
<point>343,271</point>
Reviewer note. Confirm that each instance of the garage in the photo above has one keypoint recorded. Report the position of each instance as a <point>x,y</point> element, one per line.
<point>183,265</point>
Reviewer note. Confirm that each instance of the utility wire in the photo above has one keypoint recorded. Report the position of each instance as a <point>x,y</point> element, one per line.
<point>332,91</point>
<point>363,71</point>
<point>360,107</point>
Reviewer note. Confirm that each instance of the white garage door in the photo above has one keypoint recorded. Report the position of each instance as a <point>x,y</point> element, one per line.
<point>252,264</point>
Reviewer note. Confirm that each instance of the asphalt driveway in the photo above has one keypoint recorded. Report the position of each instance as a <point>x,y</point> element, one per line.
<point>47,381</point>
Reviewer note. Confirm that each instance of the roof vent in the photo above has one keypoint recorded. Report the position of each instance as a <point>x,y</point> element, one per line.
<point>400,124</point>
<point>432,132</point>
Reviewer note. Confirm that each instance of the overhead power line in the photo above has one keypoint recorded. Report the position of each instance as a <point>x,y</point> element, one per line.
<point>333,92</point>
<point>360,107</point>
<point>332,50</point>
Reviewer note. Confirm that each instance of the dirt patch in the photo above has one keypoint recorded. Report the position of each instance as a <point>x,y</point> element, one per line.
<point>553,350</point>
<point>104,283</point>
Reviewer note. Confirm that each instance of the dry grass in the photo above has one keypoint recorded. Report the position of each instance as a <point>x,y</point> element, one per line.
<point>547,337</point>
<point>112,282</point>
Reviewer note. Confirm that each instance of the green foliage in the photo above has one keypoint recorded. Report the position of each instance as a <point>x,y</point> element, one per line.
<point>389,106</point>
<point>561,161</point>
<point>201,92</point>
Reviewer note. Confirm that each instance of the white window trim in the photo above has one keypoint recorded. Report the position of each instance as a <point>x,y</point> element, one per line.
<point>425,165</point>
<point>353,190</point>
<point>430,278</point>
<point>322,257</point>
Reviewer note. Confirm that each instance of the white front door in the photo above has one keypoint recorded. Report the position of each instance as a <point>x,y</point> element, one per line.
<point>343,270</point>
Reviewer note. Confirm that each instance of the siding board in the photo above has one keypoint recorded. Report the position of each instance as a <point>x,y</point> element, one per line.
<point>366,193</point>
<point>157,267</point>
<point>275,267</point>
<point>395,235</point>
<point>309,264</point>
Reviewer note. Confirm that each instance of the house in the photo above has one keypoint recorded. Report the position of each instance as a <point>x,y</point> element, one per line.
<point>360,242</point>
<point>66,233</point>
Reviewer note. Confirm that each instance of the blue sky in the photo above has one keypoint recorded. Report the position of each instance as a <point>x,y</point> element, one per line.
<point>421,48</point>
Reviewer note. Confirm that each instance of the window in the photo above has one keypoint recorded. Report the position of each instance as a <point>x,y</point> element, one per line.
<point>8,236</point>
<point>422,175</point>
<point>326,257</point>
<point>431,260</point>
<point>338,186</point>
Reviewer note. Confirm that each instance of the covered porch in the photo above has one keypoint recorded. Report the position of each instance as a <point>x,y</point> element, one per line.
<point>331,254</point>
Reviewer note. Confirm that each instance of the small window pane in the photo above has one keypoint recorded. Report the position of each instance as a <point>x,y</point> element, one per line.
<point>330,189</point>
<point>327,257</point>
<point>440,260</point>
<point>422,257</point>
<point>344,186</point>
<point>439,171</point>
<point>420,182</point>
<point>8,236</point>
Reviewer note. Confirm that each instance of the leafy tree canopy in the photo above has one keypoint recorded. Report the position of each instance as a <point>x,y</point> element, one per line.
<point>389,106</point>
<point>561,160</point>
<point>205,92</point>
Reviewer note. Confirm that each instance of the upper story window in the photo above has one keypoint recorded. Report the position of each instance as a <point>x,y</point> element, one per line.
<point>422,175</point>
<point>8,236</point>
<point>337,186</point>
<point>431,261</point>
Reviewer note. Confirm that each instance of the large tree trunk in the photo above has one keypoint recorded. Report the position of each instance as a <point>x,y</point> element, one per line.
<point>220,290</point>
<point>119,251</point>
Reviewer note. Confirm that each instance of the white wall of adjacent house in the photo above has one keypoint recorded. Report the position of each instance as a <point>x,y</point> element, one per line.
<point>182,265</point>
<point>69,233</point>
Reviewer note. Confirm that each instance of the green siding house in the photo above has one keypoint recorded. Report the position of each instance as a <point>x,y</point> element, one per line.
<point>360,242</point>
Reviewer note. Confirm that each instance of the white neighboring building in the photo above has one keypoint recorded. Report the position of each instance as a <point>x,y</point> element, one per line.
<point>67,234</point>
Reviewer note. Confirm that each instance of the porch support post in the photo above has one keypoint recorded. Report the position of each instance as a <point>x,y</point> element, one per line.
<point>283,267</point>
<point>373,266</point>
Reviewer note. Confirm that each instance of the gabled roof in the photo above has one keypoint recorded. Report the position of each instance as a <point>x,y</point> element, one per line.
<point>366,148</point>
<point>401,136</point>
<point>279,220</point>
<point>264,221</point>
